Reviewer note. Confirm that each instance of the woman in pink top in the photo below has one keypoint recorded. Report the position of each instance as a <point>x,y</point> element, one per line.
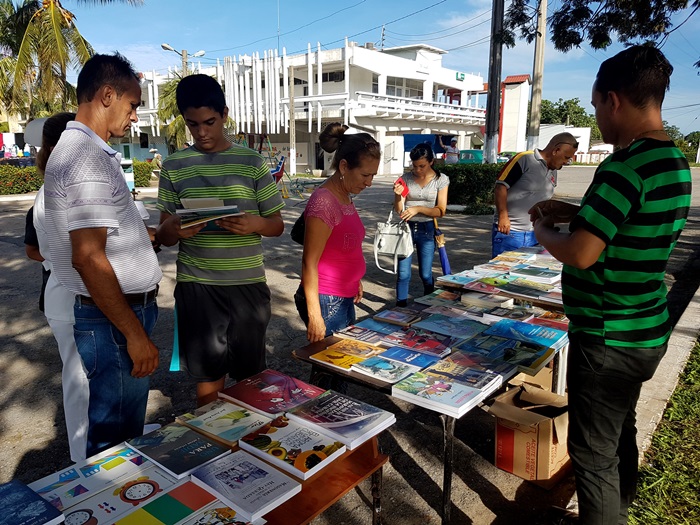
<point>333,263</point>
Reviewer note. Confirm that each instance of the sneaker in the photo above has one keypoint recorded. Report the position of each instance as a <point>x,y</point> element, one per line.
<point>147,429</point>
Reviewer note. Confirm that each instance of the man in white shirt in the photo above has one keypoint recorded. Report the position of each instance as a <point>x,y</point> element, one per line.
<point>451,151</point>
<point>101,252</point>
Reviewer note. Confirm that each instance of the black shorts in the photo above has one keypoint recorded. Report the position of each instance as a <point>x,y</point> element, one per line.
<point>221,329</point>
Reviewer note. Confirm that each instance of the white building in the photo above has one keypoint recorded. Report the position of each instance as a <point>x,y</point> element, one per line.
<point>388,93</point>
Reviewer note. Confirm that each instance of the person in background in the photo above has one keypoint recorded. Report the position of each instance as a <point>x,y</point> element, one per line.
<point>451,151</point>
<point>425,200</point>
<point>101,252</point>
<point>615,255</point>
<point>333,264</point>
<point>58,308</point>
<point>527,178</point>
<point>221,298</point>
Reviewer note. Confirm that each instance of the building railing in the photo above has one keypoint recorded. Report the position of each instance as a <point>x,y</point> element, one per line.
<point>417,107</point>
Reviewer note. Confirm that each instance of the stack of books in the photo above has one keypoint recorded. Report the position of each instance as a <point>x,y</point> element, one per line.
<point>343,354</point>
<point>394,364</point>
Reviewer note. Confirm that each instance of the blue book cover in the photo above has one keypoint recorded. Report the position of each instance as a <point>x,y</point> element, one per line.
<point>438,393</point>
<point>385,369</point>
<point>408,356</point>
<point>452,326</point>
<point>376,326</point>
<point>22,506</point>
<point>528,333</point>
<point>528,357</point>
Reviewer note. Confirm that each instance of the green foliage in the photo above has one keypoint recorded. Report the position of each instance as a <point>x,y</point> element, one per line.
<point>4,127</point>
<point>14,180</point>
<point>669,487</point>
<point>471,185</point>
<point>569,112</point>
<point>142,173</point>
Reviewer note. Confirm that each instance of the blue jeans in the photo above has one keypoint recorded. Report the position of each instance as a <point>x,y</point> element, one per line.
<point>423,235</point>
<point>604,383</point>
<point>501,242</point>
<point>117,407</point>
<point>337,312</point>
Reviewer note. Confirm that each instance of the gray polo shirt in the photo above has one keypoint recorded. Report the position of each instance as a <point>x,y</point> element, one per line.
<point>529,181</point>
<point>85,187</point>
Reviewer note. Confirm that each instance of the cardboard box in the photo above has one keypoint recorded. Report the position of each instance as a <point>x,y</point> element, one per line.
<point>542,378</point>
<point>531,431</point>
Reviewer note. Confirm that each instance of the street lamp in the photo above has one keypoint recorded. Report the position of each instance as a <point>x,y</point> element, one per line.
<point>183,54</point>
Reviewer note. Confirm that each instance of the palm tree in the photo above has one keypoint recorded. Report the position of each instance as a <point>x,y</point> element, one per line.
<point>51,44</point>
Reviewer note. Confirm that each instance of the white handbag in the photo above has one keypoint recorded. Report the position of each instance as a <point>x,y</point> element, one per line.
<point>392,239</point>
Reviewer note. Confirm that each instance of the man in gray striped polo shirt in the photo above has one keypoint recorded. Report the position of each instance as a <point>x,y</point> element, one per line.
<point>101,252</point>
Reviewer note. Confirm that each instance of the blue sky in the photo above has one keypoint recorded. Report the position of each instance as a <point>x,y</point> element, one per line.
<point>462,27</point>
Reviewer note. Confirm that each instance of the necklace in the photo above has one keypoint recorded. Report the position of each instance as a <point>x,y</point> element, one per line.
<point>645,133</point>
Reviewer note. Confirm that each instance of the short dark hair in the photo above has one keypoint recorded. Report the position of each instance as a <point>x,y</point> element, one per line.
<point>200,91</point>
<point>350,147</point>
<point>100,70</point>
<point>422,151</point>
<point>51,132</point>
<point>642,74</point>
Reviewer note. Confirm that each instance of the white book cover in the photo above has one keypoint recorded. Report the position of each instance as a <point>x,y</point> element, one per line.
<point>70,486</point>
<point>218,513</point>
<point>226,421</point>
<point>247,484</point>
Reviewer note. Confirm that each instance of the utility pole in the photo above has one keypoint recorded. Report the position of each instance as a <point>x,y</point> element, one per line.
<point>533,130</point>
<point>184,62</point>
<point>381,45</point>
<point>493,103</point>
<point>292,126</point>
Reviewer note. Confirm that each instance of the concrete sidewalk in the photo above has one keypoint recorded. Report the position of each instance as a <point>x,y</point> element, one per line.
<point>32,433</point>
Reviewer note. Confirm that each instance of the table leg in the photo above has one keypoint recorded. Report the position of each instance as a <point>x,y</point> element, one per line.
<point>559,370</point>
<point>448,435</point>
<point>377,497</point>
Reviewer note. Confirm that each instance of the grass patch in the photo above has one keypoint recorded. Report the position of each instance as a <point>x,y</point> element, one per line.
<point>669,481</point>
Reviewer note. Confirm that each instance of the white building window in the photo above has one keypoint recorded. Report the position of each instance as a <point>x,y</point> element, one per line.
<point>414,89</point>
<point>375,83</point>
<point>394,86</point>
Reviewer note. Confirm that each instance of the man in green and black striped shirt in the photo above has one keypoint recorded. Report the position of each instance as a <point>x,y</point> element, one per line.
<point>615,256</point>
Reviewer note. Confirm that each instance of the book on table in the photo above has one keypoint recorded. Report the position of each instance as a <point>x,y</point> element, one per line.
<point>457,279</point>
<point>297,449</point>
<point>356,348</point>
<point>409,356</point>
<point>384,369</point>
<point>519,314</point>
<point>218,513</point>
<point>247,484</point>
<point>441,394</point>
<point>344,418</point>
<point>439,297</point>
<point>456,368</point>
<point>481,362</point>
<point>399,315</point>
<point>336,359</point>
<point>270,392</point>
<point>121,497</point>
<point>423,341</point>
<point>537,274</point>
<point>552,319</point>
<point>224,421</point>
<point>452,326</point>
<point>192,217</point>
<point>529,333</point>
<point>178,449</point>
<point>70,486</point>
<point>485,299</point>
<point>20,505</point>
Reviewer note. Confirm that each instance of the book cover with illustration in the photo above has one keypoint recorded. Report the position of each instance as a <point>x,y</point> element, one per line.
<point>527,357</point>
<point>457,280</point>
<point>22,506</point>
<point>218,513</point>
<point>455,369</point>
<point>438,393</point>
<point>485,299</point>
<point>297,449</point>
<point>121,497</point>
<point>180,502</point>
<point>399,315</point>
<point>552,319</point>
<point>439,297</point>
<point>452,326</point>
<point>518,314</point>
<point>247,484</point>
<point>70,486</point>
<point>479,362</point>
<point>178,449</point>
<point>537,274</point>
<point>364,335</point>
<point>356,348</point>
<point>270,392</point>
<point>335,359</point>
<point>423,341</point>
<point>224,421</point>
<point>408,356</point>
<point>344,418</point>
<point>385,370</point>
<point>529,333</point>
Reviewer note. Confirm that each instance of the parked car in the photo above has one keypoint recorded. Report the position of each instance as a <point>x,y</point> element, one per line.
<point>476,156</point>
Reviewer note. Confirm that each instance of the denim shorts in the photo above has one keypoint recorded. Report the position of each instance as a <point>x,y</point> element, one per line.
<point>337,312</point>
<point>117,407</point>
<point>500,242</point>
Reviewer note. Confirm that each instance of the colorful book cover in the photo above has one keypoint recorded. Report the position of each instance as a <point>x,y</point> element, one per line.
<point>339,360</point>
<point>439,297</point>
<point>529,333</point>
<point>456,311</point>
<point>299,450</point>
<point>408,356</point>
<point>423,341</point>
<point>480,362</point>
<point>120,497</point>
<point>344,418</point>
<point>364,335</point>
<point>398,315</point>
<point>528,357</point>
<point>180,502</point>
<point>457,370</point>
<point>457,279</point>
<point>487,300</point>
<point>537,274</point>
<point>437,393</point>
<point>70,486</point>
<point>225,421</point>
<point>385,369</point>
<point>498,313</point>
<point>455,327</point>
<point>22,506</point>
<point>356,348</point>
<point>376,326</point>
<point>270,392</point>
<point>178,449</point>
<point>247,484</point>
<point>218,513</point>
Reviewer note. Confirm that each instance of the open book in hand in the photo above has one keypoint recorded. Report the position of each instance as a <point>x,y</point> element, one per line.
<point>194,216</point>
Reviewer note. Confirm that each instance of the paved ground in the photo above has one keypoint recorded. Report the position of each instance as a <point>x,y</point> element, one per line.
<point>32,434</point>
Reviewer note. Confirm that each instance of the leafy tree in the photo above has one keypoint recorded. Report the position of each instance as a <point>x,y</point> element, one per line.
<point>693,139</point>
<point>569,112</point>
<point>574,22</point>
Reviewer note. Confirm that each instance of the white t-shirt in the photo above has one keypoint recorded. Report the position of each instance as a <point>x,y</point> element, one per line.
<point>451,154</point>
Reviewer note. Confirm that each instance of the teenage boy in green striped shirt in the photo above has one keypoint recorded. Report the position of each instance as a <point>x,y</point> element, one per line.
<point>615,256</point>
<point>222,300</point>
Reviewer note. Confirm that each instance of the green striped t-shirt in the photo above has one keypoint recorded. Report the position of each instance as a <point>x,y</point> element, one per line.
<point>238,176</point>
<point>637,203</point>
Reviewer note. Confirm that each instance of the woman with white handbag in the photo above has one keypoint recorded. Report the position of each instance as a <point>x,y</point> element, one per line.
<point>419,197</point>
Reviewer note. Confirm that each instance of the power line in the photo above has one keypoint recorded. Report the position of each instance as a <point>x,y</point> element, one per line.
<point>441,30</point>
<point>443,36</point>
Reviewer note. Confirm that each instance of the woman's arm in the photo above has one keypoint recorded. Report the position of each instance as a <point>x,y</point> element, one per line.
<point>315,239</point>
<point>436,211</point>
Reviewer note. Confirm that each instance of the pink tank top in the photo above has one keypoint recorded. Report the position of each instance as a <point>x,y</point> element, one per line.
<point>342,263</point>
